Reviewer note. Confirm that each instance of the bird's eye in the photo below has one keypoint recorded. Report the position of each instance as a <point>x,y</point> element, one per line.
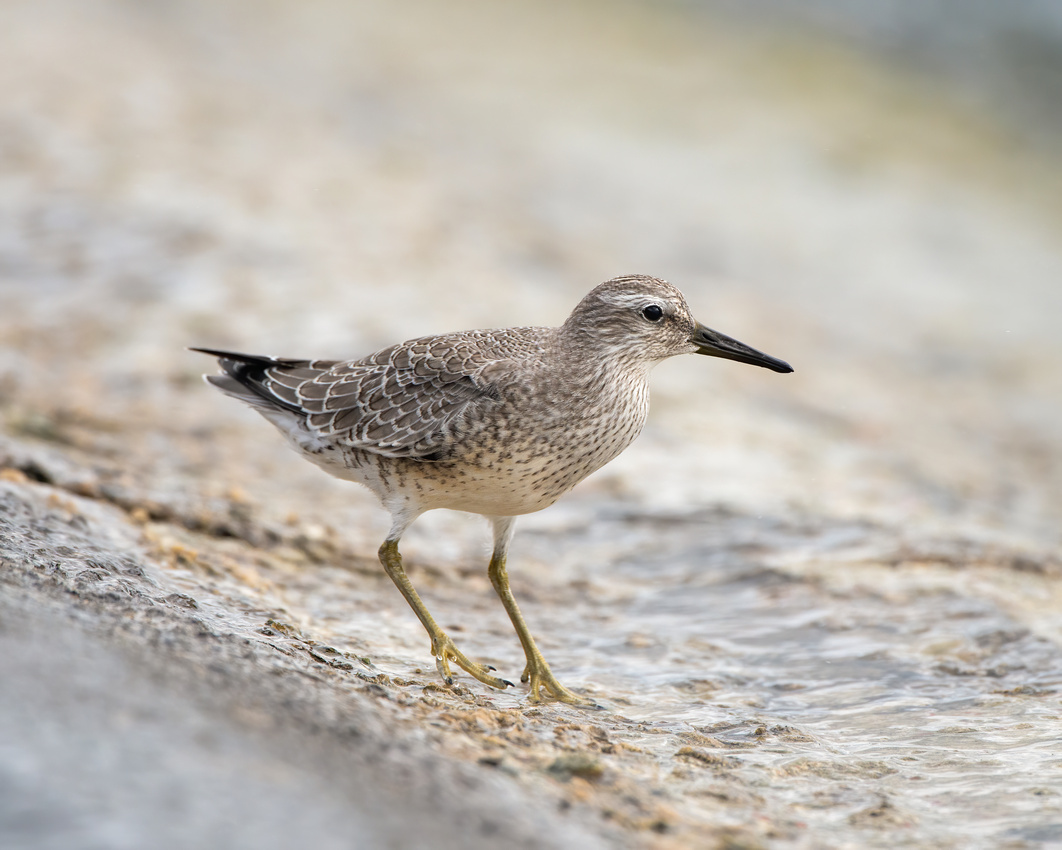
<point>653,313</point>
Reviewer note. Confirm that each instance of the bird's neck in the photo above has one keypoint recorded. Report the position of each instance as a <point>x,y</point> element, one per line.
<point>590,355</point>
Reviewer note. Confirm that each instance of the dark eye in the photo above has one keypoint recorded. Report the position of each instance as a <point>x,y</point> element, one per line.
<point>653,313</point>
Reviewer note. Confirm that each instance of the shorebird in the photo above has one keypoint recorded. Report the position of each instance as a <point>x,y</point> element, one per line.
<point>493,422</point>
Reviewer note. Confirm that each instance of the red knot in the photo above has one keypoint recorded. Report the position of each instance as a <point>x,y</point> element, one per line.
<point>494,422</point>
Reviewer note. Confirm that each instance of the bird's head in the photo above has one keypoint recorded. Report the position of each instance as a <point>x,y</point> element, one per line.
<point>644,319</point>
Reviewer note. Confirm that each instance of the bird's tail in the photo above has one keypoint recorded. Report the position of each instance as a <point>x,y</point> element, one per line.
<point>245,375</point>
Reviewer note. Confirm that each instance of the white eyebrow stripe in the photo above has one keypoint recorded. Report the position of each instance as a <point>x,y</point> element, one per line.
<point>623,300</point>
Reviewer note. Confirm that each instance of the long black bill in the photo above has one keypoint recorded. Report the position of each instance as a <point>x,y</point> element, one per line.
<point>715,344</point>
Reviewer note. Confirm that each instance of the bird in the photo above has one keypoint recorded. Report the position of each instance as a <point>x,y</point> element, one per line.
<point>497,422</point>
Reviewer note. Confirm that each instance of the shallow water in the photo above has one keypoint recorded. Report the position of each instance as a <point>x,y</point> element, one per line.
<point>887,683</point>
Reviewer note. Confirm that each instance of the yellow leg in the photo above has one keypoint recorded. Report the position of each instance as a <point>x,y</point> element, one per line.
<point>537,671</point>
<point>441,646</point>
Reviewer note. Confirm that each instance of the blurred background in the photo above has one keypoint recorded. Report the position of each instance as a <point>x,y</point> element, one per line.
<point>869,190</point>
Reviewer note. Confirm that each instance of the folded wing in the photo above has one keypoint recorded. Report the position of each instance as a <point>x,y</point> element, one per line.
<point>411,400</point>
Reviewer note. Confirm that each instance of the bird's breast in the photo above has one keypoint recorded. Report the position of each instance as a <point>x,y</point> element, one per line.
<point>541,444</point>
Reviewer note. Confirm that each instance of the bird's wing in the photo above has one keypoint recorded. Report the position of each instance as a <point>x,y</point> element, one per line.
<point>409,400</point>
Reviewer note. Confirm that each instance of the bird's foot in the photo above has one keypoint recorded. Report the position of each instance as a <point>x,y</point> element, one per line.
<point>444,651</point>
<point>539,676</point>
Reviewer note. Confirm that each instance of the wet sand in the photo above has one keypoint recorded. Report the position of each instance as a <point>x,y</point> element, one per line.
<point>820,610</point>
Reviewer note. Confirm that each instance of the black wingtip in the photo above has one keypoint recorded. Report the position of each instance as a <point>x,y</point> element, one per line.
<point>245,369</point>
<point>232,355</point>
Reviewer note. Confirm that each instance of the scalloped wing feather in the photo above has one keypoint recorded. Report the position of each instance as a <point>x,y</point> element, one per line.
<point>410,400</point>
